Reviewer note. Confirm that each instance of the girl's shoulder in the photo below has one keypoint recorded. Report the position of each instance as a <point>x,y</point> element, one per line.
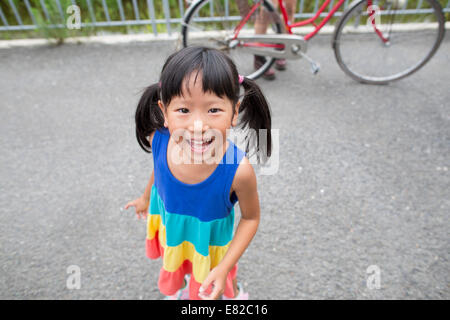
<point>157,132</point>
<point>150,138</point>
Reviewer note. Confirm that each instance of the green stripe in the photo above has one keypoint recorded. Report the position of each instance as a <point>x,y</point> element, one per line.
<point>201,234</point>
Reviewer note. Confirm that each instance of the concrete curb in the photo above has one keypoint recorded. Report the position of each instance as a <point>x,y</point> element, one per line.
<point>128,38</point>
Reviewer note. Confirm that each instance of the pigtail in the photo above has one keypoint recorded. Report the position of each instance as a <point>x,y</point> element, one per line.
<point>256,115</point>
<point>148,116</point>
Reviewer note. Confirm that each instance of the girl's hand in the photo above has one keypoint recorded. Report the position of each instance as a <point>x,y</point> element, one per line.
<point>140,205</point>
<point>217,277</point>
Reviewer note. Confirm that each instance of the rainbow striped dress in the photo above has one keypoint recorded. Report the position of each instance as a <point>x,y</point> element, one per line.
<point>190,225</point>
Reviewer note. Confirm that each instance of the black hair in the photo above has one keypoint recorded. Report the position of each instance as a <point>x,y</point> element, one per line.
<point>219,76</point>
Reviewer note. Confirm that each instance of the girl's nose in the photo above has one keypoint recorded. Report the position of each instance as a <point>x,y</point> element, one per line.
<point>198,127</point>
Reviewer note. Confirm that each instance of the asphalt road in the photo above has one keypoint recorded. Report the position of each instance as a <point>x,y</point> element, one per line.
<point>363,179</point>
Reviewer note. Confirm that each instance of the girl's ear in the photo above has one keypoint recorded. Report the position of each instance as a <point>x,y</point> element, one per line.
<point>161,106</point>
<point>163,112</point>
<point>235,115</point>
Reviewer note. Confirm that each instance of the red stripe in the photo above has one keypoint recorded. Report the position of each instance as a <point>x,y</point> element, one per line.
<point>170,282</point>
<point>153,247</point>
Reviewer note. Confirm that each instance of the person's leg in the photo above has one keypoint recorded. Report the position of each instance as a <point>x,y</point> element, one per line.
<point>290,6</point>
<point>261,24</point>
<point>263,19</point>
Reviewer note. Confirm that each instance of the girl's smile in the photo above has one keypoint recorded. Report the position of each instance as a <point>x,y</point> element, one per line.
<point>206,147</point>
<point>200,146</point>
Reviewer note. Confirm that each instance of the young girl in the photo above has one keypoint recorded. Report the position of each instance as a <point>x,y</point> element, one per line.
<point>183,120</point>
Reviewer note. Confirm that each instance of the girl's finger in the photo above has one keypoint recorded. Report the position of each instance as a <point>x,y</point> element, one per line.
<point>202,292</point>
<point>214,294</point>
<point>129,204</point>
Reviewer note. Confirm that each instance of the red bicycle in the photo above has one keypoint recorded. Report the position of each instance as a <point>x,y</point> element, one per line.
<point>374,42</point>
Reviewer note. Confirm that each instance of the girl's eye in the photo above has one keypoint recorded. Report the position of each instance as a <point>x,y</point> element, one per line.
<point>214,110</point>
<point>183,110</point>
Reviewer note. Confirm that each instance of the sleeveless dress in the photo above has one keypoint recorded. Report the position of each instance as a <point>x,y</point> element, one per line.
<point>190,225</point>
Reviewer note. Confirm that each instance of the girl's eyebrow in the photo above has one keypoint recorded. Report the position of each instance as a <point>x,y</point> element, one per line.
<point>204,102</point>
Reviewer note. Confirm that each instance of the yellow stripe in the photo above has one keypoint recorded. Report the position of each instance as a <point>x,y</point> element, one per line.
<point>175,256</point>
<point>153,222</point>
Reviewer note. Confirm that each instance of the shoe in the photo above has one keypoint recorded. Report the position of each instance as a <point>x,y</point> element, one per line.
<point>280,64</point>
<point>240,296</point>
<point>269,74</point>
<point>183,293</point>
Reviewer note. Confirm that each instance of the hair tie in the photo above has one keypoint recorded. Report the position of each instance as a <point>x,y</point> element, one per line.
<point>160,84</point>
<point>241,79</point>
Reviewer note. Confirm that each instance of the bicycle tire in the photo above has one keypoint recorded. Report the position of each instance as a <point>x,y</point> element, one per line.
<point>435,34</point>
<point>188,24</point>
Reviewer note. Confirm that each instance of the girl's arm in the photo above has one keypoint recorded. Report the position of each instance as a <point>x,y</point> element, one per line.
<point>148,189</point>
<point>141,204</point>
<point>152,178</point>
<point>246,190</point>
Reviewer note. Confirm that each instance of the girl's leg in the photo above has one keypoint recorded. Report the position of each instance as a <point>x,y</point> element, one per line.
<point>235,287</point>
<point>262,19</point>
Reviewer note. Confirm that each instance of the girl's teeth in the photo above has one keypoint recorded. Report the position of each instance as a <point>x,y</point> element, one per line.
<point>199,146</point>
<point>199,142</point>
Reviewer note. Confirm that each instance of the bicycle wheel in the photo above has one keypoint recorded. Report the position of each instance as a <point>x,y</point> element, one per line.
<point>378,42</point>
<point>212,23</point>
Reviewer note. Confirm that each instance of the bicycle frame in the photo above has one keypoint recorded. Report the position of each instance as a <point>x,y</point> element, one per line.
<point>311,20</point>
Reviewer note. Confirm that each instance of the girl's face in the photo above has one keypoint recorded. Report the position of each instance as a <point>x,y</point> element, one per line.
<point>198,121</point>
